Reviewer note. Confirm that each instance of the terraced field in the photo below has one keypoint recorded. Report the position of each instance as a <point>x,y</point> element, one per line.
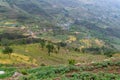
<point>107,70</point>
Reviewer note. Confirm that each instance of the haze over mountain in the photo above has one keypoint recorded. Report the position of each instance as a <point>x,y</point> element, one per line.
<point>97,18</point>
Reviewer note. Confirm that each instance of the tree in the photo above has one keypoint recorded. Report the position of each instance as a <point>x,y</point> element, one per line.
<point>7,50</point>
<point>58,47</point>
<point>24,42</point>
<point>42,43</point>
<point>5,42</point>
<point>62,44</point>
<point>50,48</point>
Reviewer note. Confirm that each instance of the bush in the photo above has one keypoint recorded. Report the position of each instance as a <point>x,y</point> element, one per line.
<point>29,77</point>
<point>43,64</point>
<point>24,72</point>
<point>71,61</point>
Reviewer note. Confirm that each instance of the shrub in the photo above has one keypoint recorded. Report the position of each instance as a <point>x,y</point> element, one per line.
<point>29,77</point>
<point>23,71</point>
<point>71,61</point>
<point>43,64</point>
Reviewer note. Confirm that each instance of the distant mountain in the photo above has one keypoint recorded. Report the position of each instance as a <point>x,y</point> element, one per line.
<point>95,11</point>
<point>98,18</point>
<point>102,12</point>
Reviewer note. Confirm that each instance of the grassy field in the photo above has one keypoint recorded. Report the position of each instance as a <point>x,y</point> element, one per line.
<point>35,63</point>
<point>16,59</point>
<point>34,51</point>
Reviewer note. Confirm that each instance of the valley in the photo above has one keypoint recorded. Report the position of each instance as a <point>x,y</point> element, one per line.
<point>59,40</point>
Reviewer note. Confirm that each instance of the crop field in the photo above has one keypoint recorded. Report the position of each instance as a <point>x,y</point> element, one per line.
<point>86,72</point>
<point>107,70</point>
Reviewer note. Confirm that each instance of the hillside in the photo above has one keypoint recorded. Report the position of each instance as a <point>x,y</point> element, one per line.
<point>59,40</point>
<point>105,13</point>
<point>89,18</point>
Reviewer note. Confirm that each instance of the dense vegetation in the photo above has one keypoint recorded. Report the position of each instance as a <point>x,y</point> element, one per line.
<point>71,72</point>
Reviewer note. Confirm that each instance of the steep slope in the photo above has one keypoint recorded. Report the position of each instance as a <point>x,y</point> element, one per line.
<point>96,19</point>
<point>104,13</point>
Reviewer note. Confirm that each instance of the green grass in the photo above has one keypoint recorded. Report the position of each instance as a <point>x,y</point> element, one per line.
<point>35,51</point>
<point>9,71</point>
<point>73,72</point>
<point>67,72</point>
<point>57,65</point>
